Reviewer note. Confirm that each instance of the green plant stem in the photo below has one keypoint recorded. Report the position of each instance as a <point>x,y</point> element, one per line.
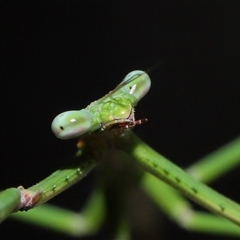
<point>62,179</point>
<point>165,170</point>
<point>66,221</point>
<point>176,207</point>
<point>173,203</point>
<point>9,201</point>
<point>214,165</point>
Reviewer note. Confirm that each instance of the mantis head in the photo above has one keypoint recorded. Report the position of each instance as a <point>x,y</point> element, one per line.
<point>71,124</point>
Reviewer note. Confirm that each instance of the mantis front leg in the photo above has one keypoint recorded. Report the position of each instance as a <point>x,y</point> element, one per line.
<point>168,199</point>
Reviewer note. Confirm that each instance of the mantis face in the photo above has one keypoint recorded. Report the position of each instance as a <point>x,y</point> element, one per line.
<point>71,124</point>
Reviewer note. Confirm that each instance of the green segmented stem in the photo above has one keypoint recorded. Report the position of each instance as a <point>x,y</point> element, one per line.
<point>62,179</point>
<point>165,170</point>
<point>203,170</point>
<point>9,200</point>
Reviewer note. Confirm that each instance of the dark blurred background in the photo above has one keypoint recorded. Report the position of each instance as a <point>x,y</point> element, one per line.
<point>58,56</point>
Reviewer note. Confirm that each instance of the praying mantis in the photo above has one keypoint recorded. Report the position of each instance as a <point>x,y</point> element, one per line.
<point>106,124</point>
<point>114,109</point>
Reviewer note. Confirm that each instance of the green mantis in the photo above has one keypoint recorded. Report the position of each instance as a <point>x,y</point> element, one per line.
<point>116,109</point>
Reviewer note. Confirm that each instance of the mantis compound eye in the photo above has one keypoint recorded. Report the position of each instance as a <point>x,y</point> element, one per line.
<point>138,84</point>
<point>71,124</point>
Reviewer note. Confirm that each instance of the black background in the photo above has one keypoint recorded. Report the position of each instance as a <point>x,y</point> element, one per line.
<point>58,56</point>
